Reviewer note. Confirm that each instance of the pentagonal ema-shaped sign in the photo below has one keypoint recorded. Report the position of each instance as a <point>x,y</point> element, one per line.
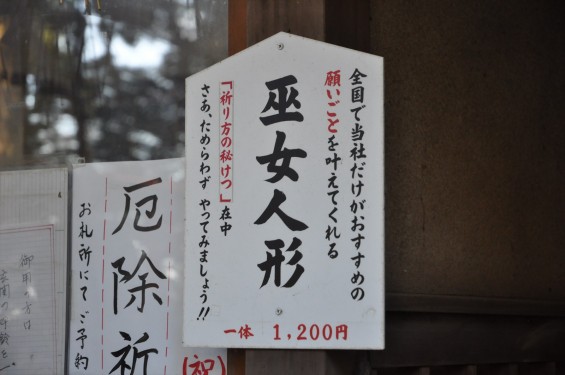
<point>285,199</point>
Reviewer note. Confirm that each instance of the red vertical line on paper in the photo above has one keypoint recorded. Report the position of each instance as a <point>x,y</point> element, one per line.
<point>168,285</point>
<point>167,326</point>
<point>166,355</point>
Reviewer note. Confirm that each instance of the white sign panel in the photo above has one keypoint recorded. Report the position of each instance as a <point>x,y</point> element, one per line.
<point>127,272</point>
<point>33,263</point>
<point>27,304</point>
<point>285,201</point>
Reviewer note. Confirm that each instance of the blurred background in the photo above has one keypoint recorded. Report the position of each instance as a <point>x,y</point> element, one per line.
<point>101,79</point>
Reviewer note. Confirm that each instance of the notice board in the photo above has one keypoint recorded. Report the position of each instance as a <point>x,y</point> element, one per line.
<point>127,272</point>
<point>285,199</point>
<point>33,261</point>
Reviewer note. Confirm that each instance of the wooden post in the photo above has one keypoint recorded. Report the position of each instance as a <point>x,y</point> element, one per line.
<point>237,41</point>
<point>236,361</point>
<point>237,26</point>
<point>348,24</point>
<point>333,21</point>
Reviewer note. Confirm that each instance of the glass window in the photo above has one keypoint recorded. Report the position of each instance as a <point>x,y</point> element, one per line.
<point>101,79</point>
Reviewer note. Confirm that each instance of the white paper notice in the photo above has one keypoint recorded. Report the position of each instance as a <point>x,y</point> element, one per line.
<point>33,265</point>
<point>127,272</point>
<point>27,306</point>
<point>285,199</point>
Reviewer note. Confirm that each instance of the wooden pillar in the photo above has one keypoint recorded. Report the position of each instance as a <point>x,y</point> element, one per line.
<point>342,23</point>
<point>237,26</point>
<point>236,361</point>
<point>348,24</point>
<point>334,21</point>
<point>251,21</point>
